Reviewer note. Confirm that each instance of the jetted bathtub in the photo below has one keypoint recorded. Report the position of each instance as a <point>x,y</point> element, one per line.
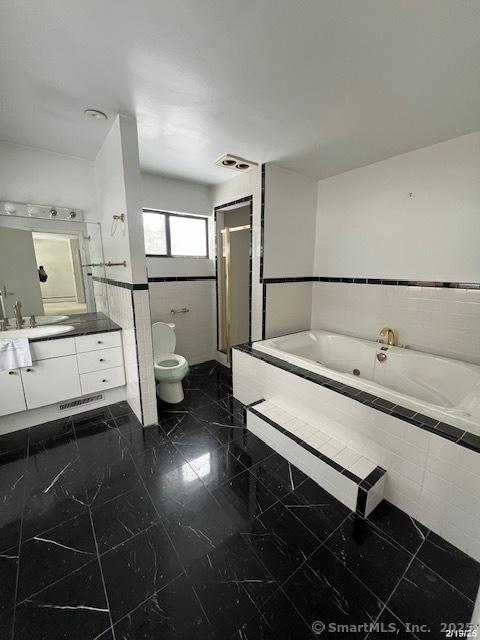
<point>445,389</point>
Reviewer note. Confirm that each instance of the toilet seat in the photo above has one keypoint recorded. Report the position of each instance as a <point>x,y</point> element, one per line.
<point>169,361</point>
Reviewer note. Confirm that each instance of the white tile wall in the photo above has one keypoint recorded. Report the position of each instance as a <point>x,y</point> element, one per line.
<point>145,355</point>
<point>196,329</point>
<point>289,308</point>
<point>442,321</point>
<point>430,478</point>
<point>120,310</point>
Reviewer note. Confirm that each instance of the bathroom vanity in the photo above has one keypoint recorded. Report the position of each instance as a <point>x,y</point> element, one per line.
<point>87,360</point>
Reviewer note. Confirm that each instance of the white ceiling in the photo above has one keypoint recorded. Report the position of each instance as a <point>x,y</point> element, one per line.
<point>318,86</point>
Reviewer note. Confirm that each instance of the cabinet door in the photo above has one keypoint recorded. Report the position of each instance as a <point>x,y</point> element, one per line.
<point>50,381</point>
<point>11,392</point>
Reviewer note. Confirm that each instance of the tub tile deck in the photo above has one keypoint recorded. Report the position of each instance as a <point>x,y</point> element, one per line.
<point>196,529</point>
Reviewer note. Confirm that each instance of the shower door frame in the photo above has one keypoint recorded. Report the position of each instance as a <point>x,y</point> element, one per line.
<point>219,209</point>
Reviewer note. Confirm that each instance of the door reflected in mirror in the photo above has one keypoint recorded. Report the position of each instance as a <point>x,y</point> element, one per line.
<point>45,264</point>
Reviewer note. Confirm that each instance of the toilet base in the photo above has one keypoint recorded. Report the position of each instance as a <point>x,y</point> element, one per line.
<point>171,392</point>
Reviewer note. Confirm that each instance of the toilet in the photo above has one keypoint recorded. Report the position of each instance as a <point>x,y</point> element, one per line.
<point>170,368</point>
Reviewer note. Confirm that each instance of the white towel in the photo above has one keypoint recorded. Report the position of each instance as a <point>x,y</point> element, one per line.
<point>14,353</point>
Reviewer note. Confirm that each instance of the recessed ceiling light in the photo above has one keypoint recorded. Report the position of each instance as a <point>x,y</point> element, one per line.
<point>95,114</point>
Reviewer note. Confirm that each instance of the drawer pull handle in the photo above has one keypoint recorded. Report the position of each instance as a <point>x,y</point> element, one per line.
<point>102,360</point>
<point>29,370</point>
<point>99,341</point>
<point>12,373</point>
<point>104,380</point>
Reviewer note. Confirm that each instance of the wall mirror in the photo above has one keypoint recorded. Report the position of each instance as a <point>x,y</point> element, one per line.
<point>48,264</point>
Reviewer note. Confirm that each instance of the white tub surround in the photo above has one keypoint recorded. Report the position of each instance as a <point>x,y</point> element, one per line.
<point>358,482</point>
<point>410,383</point>
<point>67,374</point>
<point>432,475</point>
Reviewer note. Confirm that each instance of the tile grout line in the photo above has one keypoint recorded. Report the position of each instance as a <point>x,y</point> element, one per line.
<point>19,548</point>
<point>101,571</point>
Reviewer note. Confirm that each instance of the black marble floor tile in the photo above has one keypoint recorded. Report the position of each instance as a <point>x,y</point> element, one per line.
<point>277,474</point>
<point>15,440</point>
<point>86,419</point>
<point>216,391</point>
<point>277,619</point>
<point>105,482</point>
<point>231,431</point>
<point>212,412</point>
<point>51,434</point>
<point>186,430</point>
<point>460,570</point>
<point>231,404</point>
<point>214,466</point>
<point>8,580</point>
<point>244,497</point>
<point>54,490</point>
<point>102,444</point>
<point>249,449</point>
<point>199,527</point>
<point>123,517</point>
<point>173,613</point>
<point>281,541</point>
<point>120,409</point>
<point>194,398</point>
<point>12,484</point>
<point>316,508</point>
<point>423,598</point>
<point>399,526</point>
<point>6,623</point>
<point>51,555</point>
<point>137,569</point>
<point>170,480</point>
<point>73,608</point>
<point>323,591</point>
<point>373,558</point>
<point>387,627</point>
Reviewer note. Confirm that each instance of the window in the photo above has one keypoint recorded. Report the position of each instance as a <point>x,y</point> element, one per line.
<point>174,235</point>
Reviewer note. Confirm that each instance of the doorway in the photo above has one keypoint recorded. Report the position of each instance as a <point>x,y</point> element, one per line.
<point>234,273</point>
<point>63,290</point>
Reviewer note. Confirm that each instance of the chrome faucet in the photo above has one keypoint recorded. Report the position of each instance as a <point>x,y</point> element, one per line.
<point>390,335</point>
<point>19,321</point>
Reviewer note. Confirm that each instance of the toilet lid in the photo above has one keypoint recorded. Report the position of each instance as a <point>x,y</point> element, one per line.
<point>163,337</point>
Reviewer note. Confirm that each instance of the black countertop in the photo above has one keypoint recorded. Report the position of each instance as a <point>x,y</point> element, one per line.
<point>83,324</point>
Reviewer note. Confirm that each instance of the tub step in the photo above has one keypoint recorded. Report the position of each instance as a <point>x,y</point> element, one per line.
<point>355,480</point>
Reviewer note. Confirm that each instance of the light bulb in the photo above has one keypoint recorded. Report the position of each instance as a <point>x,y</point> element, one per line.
<point>9,208</point>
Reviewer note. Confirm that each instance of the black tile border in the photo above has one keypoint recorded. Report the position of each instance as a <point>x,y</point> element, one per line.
<point>262,248</point>
<point>180,278</point>
<point>376,281</point>
<point>122,285</point>
<point>245,199</point>
<point>364,485</point>
<point>442,429</point>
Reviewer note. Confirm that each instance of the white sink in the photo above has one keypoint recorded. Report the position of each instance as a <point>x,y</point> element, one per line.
<point>41,320</point>
<point>36,332</point>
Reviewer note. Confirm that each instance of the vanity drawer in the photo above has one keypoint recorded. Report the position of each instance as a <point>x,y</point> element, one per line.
<point>52,348</point>
<point>99,380</point>
<point>96,341</point>
<point>99,360</point>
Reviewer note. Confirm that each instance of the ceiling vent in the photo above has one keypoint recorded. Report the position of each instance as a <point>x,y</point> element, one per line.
<point>235,162</point>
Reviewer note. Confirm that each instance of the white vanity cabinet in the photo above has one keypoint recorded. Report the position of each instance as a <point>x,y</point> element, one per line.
<point>51,380</point>
<point>12,398</point>
<point>64,369</point>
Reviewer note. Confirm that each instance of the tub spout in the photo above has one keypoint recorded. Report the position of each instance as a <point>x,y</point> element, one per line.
<point>390,335</point>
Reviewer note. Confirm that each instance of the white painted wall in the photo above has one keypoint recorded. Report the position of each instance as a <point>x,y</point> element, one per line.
<point>180,196</point>
<point>32,175</point>
<point>119,191</point>
<point>290,217</point>
<point>369,226</point>
<point>169,194</point>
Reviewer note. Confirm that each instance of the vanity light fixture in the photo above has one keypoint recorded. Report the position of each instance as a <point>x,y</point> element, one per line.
<point>95,114</point>
<point>236,163</point>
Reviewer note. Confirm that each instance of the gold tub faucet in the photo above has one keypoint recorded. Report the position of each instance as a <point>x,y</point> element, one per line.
<point>390,335</point>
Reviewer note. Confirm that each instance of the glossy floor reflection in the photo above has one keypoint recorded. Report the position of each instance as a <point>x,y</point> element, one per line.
<point>196,529</point>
